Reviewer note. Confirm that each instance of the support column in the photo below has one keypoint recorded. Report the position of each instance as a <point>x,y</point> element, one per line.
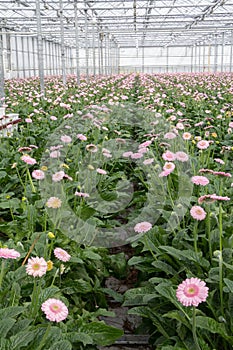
<point>222,57</point>
<point>86,45</point>
<point>50,57</point>
<point>231,51</point>
<point>203,58</point>
<point>29,56</point>
<point>16,56</point>
<point>63,58</point>
<point>40,47</point>
<point>34,55</point>
<point>93,47</point>
<point>191,59</point>
<point>195,58</point>
<point>118,59</point>
<point>99,60</point>
<point>76,42</point>
<point>101,36</point>
<point>167,59</point>
<point>199,58</point>
<point>105,55</point>
<point>23,56</point>
<point>143,58</point>
<point>109,53</point>
<point>216,53</point>
<point>209,55</point>
<point>2,79</point>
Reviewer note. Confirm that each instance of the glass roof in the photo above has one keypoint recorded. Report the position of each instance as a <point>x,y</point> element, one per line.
<point>128,23</point>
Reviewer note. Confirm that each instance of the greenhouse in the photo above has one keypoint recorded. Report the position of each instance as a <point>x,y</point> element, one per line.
<point>116,151</point>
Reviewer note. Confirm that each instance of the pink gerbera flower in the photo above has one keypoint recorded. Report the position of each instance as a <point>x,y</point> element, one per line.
<point>164,173</point>
<point>58,176</point>
<point>55,154</point>
<point>200,180</point>
<point>127,154</point>
<point>148,161</point>
<point>36,267</point>
<point>168,167</point>
<point>7,253</point>
<point>145,144</point>
<point>198,212</point>
<point>211,198</point>
<point>218,160</point>
<point>203,144</point>
<point>182,156</point>
<point>101,171</point>
<point>27,159</point>
<point>169,156</point>
<point>136,155</point>
<point>53,202</point>
<point>186,136</point>
<point>38,174</point>
<point>81,137</point>
<point>142,227</point>
<point>81,194</point>
<point>66,139</point>
<point>55,310</point>
<point>91,148</point>
<point>170,135</point>
<point>192,291</point>
<point>61,254</point>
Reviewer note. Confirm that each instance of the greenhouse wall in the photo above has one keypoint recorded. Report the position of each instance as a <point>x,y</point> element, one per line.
<point>20,58</point>
<point>176,59</point>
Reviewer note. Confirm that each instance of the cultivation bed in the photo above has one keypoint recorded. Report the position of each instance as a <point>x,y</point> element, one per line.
<point>123,320</point>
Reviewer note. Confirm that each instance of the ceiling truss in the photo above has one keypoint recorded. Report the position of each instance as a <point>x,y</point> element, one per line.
<point>127,23</point>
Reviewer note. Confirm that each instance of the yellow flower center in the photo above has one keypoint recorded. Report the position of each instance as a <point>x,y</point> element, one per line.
<point>36,267</point>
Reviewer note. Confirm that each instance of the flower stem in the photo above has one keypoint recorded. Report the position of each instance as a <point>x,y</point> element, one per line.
<point>194,330</point>
<point>35,299</point>
<point>42,343</point>
<point>31,182</point>
<point>208,233</point>
<point>195,236</point>
<point>2,272</point>
<point>220,259</point>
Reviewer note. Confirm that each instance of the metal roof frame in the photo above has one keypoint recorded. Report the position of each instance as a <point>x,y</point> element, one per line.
<point>126,23</point>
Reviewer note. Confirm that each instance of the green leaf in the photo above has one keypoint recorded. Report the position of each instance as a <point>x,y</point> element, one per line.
<point>136,296</point>
<point>112,293</point>
<point>104,312</point>
<point>101,333</point>
<point>5,325</point>
<point>187,255</point>
<point>229,284</point>
<point>21,339</point>
<point>82,286</point>
<point>177,315</point>
<point>162,266</point>
<point>3,174</point>
<point>21,325</point>
<point>91,255</point>
<point>4,344</point>
<point>61,345</point>
<point>135,260</point>
<point>13,203</point>
<point>213,326</point>
<point>11,311</point>
<point>168,292</point>
<point>156,319</point>
<point>76,260</point>
<point>48,293</point>
<point>75,337</point>
<point>169,347</point>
